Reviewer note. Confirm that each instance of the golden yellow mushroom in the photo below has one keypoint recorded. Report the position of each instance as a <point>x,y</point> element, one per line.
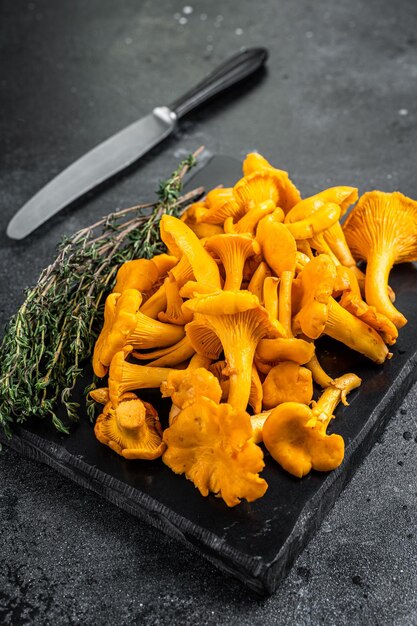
<point>125,376</point>
<point>232,250</point>
<point>312,291</point>
<point>280,252</point>
<point>256,283</point>
<point>289,195</point>
<point>296,437</point>
<point>132,429</point>
<point>285,349</point>
<point>333,236</point>
<point>167,357</point>
<point>287,382</point>
<point>381,230</point>
<point>212,445</point>
<point>239,322</point>
<point>181,241</point>
<point>129,326</point>
<point>185,387</point>
<point>173,313</point>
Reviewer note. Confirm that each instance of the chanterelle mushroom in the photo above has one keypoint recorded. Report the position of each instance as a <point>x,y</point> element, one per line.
<point>126,325</point>
<point>295,435</point>
<point>287,382</point>
<point>124,376</point>
<point>280,251</point>
<point>381,230</point>
<point>181,241</point>
<point>239,322</point>
<point>132,429</point>
<point>185,387</point>
<point>232,250</point>
<point>288,192</point>
<point>212,445</point>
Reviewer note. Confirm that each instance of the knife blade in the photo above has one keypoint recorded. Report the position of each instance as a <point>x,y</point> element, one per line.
<point>128,145</point>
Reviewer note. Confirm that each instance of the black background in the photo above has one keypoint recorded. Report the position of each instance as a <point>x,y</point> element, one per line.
<point>337,107</point>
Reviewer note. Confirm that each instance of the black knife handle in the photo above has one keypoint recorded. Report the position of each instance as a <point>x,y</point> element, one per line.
<point>230,72</point>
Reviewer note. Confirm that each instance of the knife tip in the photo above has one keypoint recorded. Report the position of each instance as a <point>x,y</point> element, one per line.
<point>14,233</point>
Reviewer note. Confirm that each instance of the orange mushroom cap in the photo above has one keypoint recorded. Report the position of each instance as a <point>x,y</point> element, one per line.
<point>289,195</point>
<point>287,382</point>
<point>212,445</point>
<point>132,429</point>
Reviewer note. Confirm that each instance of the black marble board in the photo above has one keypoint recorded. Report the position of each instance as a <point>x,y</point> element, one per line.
<point>257,542</point>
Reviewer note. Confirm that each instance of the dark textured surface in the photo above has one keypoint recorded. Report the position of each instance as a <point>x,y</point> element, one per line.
<point>337,106</point>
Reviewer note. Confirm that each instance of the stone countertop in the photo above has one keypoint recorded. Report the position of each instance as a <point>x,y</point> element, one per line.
<point>337,106</point>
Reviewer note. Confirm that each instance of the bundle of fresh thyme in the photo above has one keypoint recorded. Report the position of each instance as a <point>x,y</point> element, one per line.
<point>54,331</point>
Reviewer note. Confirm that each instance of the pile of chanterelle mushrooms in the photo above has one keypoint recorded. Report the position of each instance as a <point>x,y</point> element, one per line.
<point>228,318</point>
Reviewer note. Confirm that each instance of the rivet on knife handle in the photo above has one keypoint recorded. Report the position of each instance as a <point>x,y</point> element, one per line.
<point>230,72</point>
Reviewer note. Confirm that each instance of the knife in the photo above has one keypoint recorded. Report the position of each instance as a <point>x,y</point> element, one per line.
<point>128,145</point>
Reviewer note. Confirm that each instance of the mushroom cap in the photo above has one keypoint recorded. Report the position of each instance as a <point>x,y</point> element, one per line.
<point>312,290</point>
<point>221,204</point>
<point>140,274</point>
<point>383,221</point>
<point>249,222</point>
<point>194,213</point>
<point>256,188</point>
<point>227,246</point>
<point>132,429</point>
<point>285,349</point>
<point>181,241</point>
<point>164,263</point>
<point>291,437</point>
<point>185,387</point>
<point>289,194</point>
<point>343,196</point>
<point>235,303</point>
<point>287,382</point>
<point>123,323</point>
<point>312,224</point>
<point>222,302</point>
<point>212,445</point>
<point>278,246</point>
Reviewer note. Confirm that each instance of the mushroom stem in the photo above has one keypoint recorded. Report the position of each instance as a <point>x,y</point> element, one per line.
<point>257,281</point>
<point>378,269</point>
<point>330,398</point>
<point>284,301</point>
<point>239,356</point>
<point>335,238</point>
<point>345,327</point>
<point>155,304</point>
<point>271,296</point>
<point>124,376</point>
<point>319,375</point>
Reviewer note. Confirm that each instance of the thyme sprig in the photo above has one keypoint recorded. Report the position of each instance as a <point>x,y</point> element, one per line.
<point>53,332</point>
